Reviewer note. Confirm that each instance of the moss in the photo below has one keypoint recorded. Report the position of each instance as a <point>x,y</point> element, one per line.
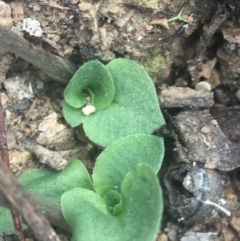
<point>155,66</point>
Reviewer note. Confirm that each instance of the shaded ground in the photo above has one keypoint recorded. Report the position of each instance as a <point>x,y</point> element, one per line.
<point>202,153</point>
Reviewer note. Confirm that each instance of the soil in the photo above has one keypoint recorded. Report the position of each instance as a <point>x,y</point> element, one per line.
<point>203,142</point>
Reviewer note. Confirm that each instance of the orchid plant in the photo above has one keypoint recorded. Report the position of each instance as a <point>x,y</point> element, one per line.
<point>122,199</point>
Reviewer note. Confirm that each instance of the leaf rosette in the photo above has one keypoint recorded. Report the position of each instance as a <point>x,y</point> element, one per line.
<point>126,203</point>
<point>92,85</point>
<point>123,201</point>
<point>124,98</point>
<point>137,219</point>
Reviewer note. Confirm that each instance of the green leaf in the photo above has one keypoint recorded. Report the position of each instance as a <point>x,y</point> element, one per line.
<point>142,204</point>
<point>134,109</point>
<point>88,216</point>
<point>53,183</point>
<point>140,216</point>
<point>95,80</point>
<point>119,158</point>
<point>73,116</point>
<point>6,224</point>
<point>48,183</point>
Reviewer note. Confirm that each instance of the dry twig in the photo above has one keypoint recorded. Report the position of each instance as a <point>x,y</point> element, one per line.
<point>54,159</point>
<point>58,68</point>
<point>23,203</point>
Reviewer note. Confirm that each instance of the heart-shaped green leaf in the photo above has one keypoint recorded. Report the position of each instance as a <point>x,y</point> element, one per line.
<point>49,183</point>
<point>134,109</point>
<point>139,220</point>
<point>93,81</point>
<point>121,156</point>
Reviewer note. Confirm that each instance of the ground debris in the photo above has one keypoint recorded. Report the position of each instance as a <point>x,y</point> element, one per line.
<point>229,121</point>
<point>195,64</point>
<point>188,187</point>
<point>185,97</point>
<point>229,59</point>
<point>202,140</point>
<point>52,133</point>
<point>212,139</point>
<point>198,236</point>
<point>54,159</point>
<point>17,89</point>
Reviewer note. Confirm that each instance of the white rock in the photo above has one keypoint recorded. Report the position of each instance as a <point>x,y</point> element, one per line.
<point>203,86</point>
<point>16,89</point>
<point>32,27</point>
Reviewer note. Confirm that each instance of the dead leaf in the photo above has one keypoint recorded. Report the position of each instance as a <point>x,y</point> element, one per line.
<point>162,22</point>
<point>207,68</point>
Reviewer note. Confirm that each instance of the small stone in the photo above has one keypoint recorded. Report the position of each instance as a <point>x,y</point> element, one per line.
<point>203,86</point>
<point>68,50</point>
<point>32,27</point>
<point>56,37</point>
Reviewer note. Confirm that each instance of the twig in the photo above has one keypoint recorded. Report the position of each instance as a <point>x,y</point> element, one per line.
<point>51,4</point>
<point>3,140</point>
<point>51,208</point>
<point>58,68</point>
<point>54,159</point>
<point>5,159</point>
<point>23,203</point>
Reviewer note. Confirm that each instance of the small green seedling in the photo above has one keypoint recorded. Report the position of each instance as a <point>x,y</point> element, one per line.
<point>179,17</point>
<point>122,200</point>
<point>123,96</point>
